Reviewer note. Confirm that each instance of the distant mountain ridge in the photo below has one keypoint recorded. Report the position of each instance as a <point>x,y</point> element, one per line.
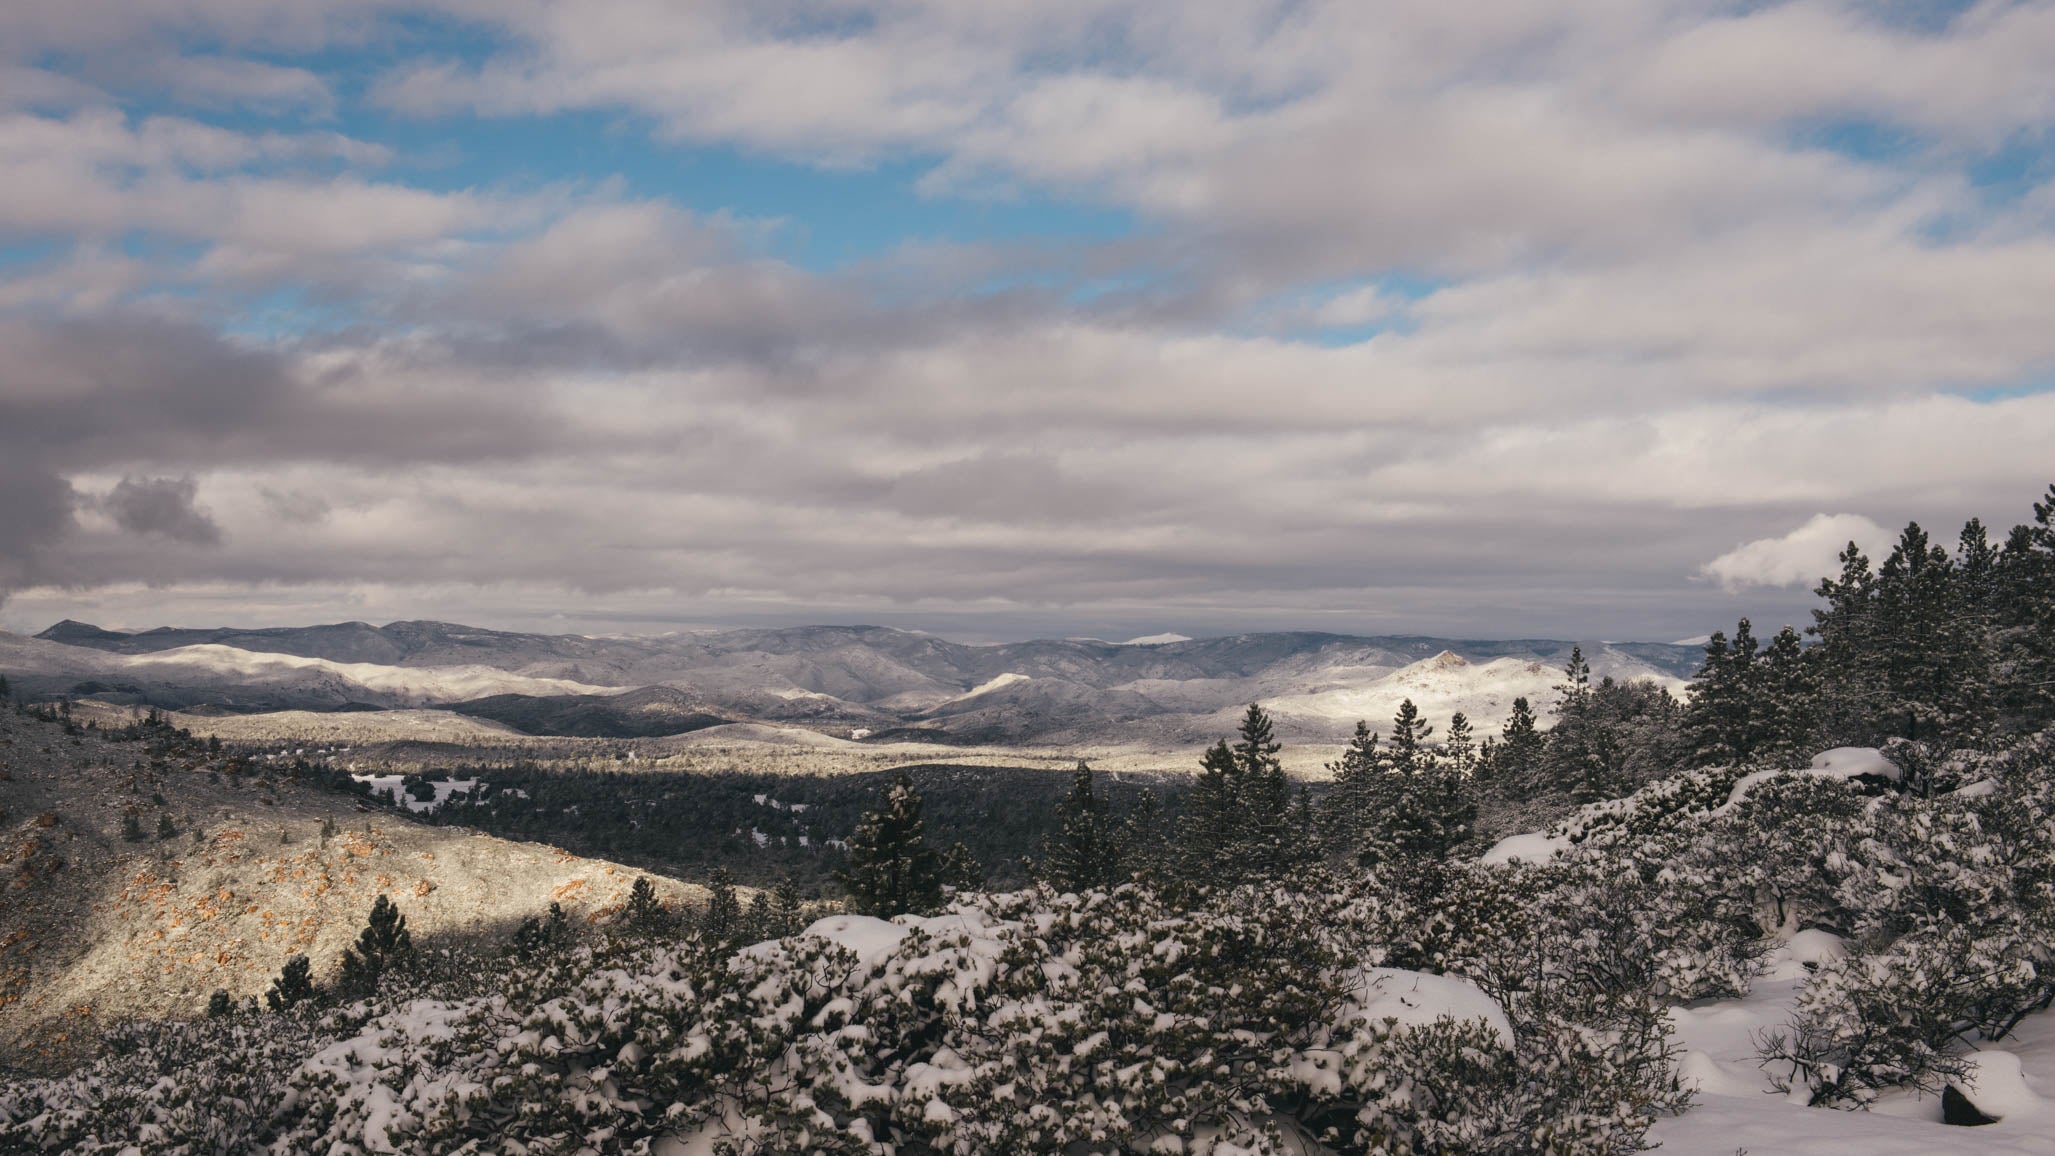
<point>827,678</point>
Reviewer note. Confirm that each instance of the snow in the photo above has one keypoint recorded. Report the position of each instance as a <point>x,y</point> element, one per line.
<point>1839,763</point>
<point>1737,1109</point>
<point>1000,683</point>
<point>1531,847</point>
<point>1439,686</point>
<point>420,684</point>
<point>1156,640</point>
<point>1414,998</point>
<point>395,786</point>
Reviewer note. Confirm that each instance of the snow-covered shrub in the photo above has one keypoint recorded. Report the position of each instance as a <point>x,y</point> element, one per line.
<point>1252,1019</point>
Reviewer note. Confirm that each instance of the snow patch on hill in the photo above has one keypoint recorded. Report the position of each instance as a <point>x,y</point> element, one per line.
<point>421,684</point>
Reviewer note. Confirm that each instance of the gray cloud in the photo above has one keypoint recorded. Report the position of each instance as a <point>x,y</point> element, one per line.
<point>161,506</point>
<point>1632,318</point>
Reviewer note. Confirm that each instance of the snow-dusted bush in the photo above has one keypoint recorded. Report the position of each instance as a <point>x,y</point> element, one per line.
<point>1253,1019</point>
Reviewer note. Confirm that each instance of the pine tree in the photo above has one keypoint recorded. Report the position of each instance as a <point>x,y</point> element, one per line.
<point>384,944</point>
<point>1845,657</point>
<point>132,828</point>
<point>1460,748</point>
<point>721,926</point>
<point>786,913</point>
<point>1719,721</point>
<point>1237,823</point>
<point>1787,703</point>
<point>961,870</point>
<point>1426,811</point>
<point>294,984</point>
<point>644,913</point>
<point>891,868</point>
<point>1407,752</point>
<point>220,1003</point>
<point>1516,764</point>
<point>1085,852</point>
<point>165,828</point>
<point>538,935</point>
<point>1358,796</point>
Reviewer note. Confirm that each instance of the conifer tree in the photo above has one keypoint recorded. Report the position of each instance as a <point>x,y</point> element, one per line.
<point>384,943</point>
<point>1407,752</point>
<point>1236,824</point>
<point>644,913</point>
<point>961,870</point>
<point>1719,721</point>
<point>293,984</point>
<point>721,926</point>
<point>891,868</point>
<point>1425,807</point>
<point>1460,747</point>
<point>1085,852</point>
<point>1516,764</point>
<point>1357,796</point>
<point>1787,703</point>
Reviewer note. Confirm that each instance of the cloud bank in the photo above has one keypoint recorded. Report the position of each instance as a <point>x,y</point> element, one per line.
<point>1010,318</point>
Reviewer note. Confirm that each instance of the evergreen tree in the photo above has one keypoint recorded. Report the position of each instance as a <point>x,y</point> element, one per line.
<point>220,1003</point>
<point>1460,747</point>
<point>384,944</point>
<point>1719,721</point>
<point>1237,825</point>
<point>1846,628</point>
<point>293,984</point>
<point>132,828</point>
<point>1357,797</point>
<point>538,935</point>
<point>1787,703</point>
<point>2023,622</point>
<point>165,828</point>
<point>644,913</point>
<point>961,870</point>
<point>1086,851</point>
<point>891,868</point>
<point>1516,763</point>
<point>721,926</point>
<point>786,914</point>
<point>1425,810</point>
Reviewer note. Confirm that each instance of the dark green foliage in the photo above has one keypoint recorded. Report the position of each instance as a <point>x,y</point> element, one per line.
<point>1088,850</point>
<point>1236,824</point>
<point>294,984</point>
<point>644,913</point>
<point>892,869</point>
<point>721,926</point>
<point>165,828</point>
<point>132,827</point>
<point>687,824</point>
<point>220,1003</point>
<point>385,943</point>
<point>539,935</point>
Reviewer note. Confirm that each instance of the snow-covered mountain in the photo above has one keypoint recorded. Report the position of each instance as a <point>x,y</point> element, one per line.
<point>895,684</point>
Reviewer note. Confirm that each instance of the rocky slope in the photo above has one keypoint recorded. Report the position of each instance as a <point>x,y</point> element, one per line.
<point>249,869</point>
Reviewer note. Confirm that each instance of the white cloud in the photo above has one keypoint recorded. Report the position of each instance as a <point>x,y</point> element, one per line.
<point>1801,557</point>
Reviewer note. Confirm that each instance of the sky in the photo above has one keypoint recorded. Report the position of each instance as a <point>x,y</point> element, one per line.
<point>1576,318</point>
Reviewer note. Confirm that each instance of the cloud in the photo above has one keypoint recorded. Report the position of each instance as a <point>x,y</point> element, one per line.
<point>161,506</point>
<point>1801,557</point>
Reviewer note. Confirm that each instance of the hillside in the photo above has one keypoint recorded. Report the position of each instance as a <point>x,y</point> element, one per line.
<point>95,927</point>
<point>894,685</point>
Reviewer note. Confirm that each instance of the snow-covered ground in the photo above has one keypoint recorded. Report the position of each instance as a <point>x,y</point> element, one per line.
<point>1440,686</point>
<point>395,787</point>
<point>421,684</point>
<point>1738,1110</point>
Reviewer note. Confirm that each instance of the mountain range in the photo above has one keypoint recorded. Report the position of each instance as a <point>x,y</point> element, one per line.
<point>867,682</point>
